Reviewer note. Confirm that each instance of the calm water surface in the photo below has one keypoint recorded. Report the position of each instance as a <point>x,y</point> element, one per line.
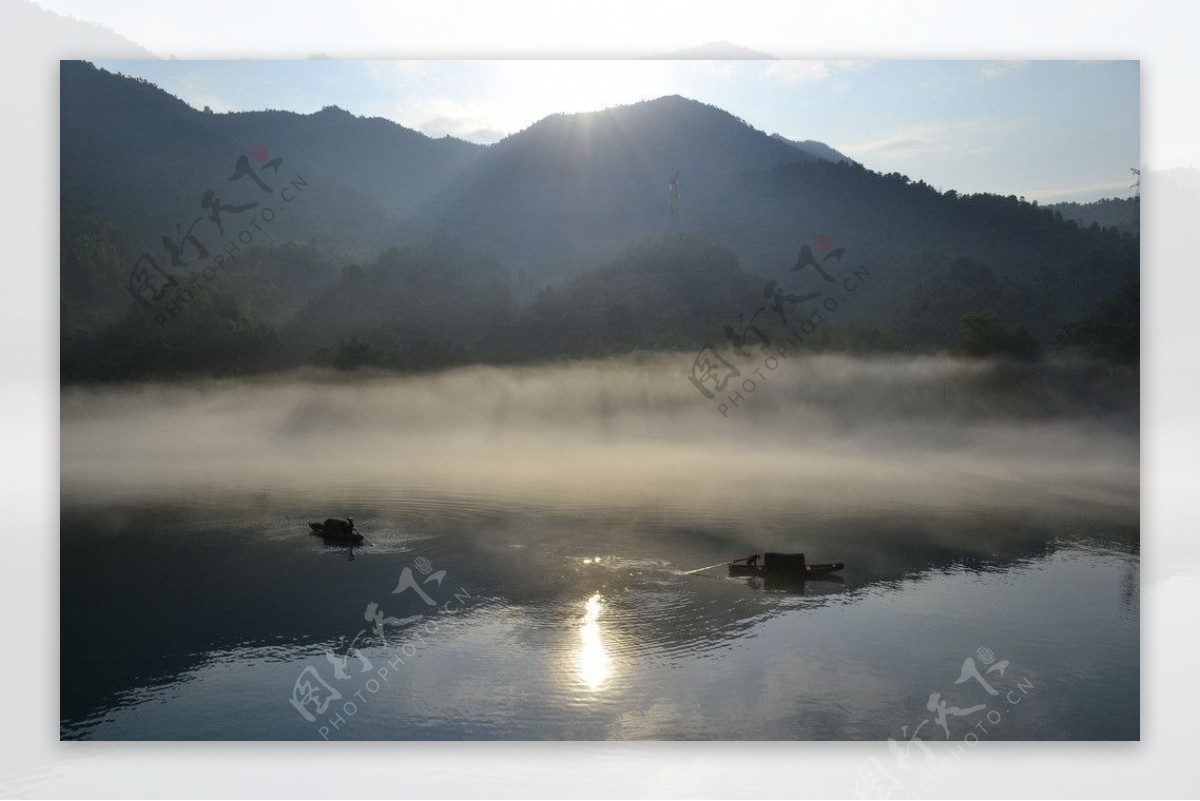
<point>181,624</point>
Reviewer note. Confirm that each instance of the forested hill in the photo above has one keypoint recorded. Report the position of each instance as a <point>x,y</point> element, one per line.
<point>573,189</point>
<point>144,158</point>
<point>583,234</point>
<point>395,166</point>
<point>1113,212</point>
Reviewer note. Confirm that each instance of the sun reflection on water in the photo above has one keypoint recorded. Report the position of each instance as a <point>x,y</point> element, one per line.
<point>595,665</point>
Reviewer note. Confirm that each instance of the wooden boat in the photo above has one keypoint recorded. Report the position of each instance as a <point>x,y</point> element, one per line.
<point>736,569</point>
<point>792,565</point>
<point>335,529</point>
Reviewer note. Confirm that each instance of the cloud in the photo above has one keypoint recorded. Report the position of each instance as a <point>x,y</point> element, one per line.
<point>213,102</point>
<point>799,71</point>
<point>1000,69</point>
<point>917,140</point>
<point>198,89</point>
<point>719,69</point>
<point>475,121</point>
<point>389,73</point>
<point>1089,191</point>
<point>958,138</point>
<point>793,72</point>
<point>906,145</point>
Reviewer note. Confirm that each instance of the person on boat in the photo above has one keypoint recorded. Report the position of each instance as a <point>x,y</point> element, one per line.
<point>752,560</point>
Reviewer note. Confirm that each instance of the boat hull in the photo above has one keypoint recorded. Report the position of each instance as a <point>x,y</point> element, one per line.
<point>335,531</point>
<point>796,571</point>
<point>339,539</point>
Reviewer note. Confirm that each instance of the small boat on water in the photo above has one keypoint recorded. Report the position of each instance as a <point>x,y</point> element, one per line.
<point>335,529</point>
<point>792,565</point>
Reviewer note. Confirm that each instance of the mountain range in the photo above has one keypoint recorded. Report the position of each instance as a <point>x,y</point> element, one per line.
<point>385,215</point>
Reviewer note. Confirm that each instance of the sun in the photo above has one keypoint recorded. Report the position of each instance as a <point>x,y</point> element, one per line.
<point>536,89</point>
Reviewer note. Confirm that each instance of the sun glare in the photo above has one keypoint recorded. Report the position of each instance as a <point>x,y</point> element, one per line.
<point>570,87</point>
<point>595,665</point>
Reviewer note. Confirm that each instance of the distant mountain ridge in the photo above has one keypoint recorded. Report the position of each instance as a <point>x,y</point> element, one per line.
<point>393,165</point>
<point>615,164</point>
<point>144,158</point>
<point>814,148</point>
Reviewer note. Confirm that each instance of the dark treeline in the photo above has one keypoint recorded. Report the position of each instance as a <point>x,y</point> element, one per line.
<point>416,309</point>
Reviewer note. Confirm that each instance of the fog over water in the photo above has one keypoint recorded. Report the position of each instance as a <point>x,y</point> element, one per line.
<point>828,435</point>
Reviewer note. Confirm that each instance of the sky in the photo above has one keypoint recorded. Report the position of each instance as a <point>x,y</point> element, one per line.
<point>1043,130</point>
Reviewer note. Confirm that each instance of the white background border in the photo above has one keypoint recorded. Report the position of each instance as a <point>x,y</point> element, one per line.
<point>34,763</point>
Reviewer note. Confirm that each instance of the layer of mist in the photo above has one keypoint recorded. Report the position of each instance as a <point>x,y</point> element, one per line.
<point>830,435</point>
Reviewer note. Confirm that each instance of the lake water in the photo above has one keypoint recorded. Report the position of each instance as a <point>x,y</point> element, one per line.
<point>541,522</point>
